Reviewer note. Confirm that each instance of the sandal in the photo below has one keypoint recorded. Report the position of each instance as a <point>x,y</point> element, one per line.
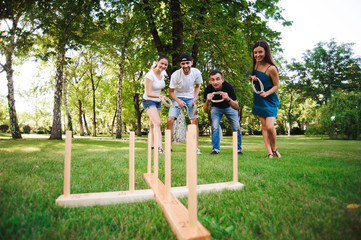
<point>160,150</point>
<point>276,153</point>
<point>269,156</point>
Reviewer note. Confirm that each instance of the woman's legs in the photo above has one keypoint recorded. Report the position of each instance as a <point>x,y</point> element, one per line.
<point>269,134</point>
<point>155,121</point>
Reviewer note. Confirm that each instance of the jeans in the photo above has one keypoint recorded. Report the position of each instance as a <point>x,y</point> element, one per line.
<point>174,110</point>
<point>149,103</point>
<point>232,115</point>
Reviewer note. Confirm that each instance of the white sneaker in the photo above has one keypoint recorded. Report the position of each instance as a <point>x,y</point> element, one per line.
<point>198,151</point>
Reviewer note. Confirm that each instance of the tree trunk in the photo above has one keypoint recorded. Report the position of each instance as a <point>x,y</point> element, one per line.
<point>177,30</point>
<point>113,122</point>
<point>179,128</point>
<point>197,40</point>
<point>119,102</point>
<point>240,115</point>
<point>14,126</point>
<point>69,123</point>
<point>289,116</point>
<point>138,113</point>
<point>56,127</point>
<point>86,125</point>
<point>81,130</point>
<point>152,26</point>
<point>94,113</point>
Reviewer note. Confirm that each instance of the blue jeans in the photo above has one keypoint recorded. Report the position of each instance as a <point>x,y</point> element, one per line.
<point>174,110</point>
<point>149,103</point>
<point>232,115</point>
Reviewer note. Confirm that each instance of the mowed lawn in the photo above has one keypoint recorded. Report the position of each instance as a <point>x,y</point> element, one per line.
<point>307,194</point>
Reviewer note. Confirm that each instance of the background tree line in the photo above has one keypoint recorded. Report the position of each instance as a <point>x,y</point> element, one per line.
<point>100,50</point>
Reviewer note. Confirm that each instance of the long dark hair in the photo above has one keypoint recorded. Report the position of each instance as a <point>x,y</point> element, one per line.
<point>268,55</point>
<point>162,57</point>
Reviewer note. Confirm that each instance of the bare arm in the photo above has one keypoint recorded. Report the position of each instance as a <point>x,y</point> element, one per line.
<point>174,97</point>
<point>197,89</point>
<point>232,103</point>
<point>206,104</point>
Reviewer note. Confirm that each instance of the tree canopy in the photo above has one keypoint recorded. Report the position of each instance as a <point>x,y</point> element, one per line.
<point>327,68</point>
<point>100,51</point>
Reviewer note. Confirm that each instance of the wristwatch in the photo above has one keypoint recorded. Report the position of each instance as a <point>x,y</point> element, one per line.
<point>229,100</point>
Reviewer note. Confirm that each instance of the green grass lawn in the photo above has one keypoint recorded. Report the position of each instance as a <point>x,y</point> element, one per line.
<point>303,195</point>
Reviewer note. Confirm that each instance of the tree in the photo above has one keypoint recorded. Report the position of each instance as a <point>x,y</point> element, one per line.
<point>92,64</point>
<point>17,40</point>
<point>204,29</point>
<point>68,23</point>
<point>121,38</point>
<point>77,86</point>
<point>342,116</point>
<point>329,67</point>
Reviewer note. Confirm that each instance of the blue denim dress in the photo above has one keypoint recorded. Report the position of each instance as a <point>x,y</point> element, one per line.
<point>268,106</point>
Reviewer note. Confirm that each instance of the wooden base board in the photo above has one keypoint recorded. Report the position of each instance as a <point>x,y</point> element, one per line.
<point>107,198</point>
<point>206,188</point>
<point>174,211</point>
<point>104,198</point>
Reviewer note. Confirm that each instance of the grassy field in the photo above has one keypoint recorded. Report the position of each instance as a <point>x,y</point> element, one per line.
<point>304,195</point>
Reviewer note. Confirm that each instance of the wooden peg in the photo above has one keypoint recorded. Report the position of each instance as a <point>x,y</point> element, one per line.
<point>131,161</point>
<point>235,158</point>
<point>67,163</point>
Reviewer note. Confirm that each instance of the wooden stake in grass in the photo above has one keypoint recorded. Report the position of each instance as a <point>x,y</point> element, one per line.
<point>235,158</point>
<point>131,161</point>
<point>67,163</point>
<point>192,174</point>
<point>149,168</point>
<point>156,143</point>
<point>167,179</point>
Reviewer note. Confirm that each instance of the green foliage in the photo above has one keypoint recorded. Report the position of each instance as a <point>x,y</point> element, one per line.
<point>17,36</point>
<point>327,68</point>
<point>342,116</point>
<point>250,123</point>
<point>26,129</point>
<point>4,128</point>
<point>122,35</point>
<point>42,130</point>
<point>4,112</point>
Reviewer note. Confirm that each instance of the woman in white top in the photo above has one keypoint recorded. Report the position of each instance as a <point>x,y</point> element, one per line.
<point>152,98</point>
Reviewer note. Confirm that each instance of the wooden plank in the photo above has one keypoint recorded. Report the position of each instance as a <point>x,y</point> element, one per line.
<point>67,164</point>
<point>235,158</point>
<point>131,161</point>
<point>176,214</point>
<point>104,198</point>
<point>207,188</point>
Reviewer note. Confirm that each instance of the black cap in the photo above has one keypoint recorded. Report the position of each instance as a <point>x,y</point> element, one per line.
<point>185,57</point>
